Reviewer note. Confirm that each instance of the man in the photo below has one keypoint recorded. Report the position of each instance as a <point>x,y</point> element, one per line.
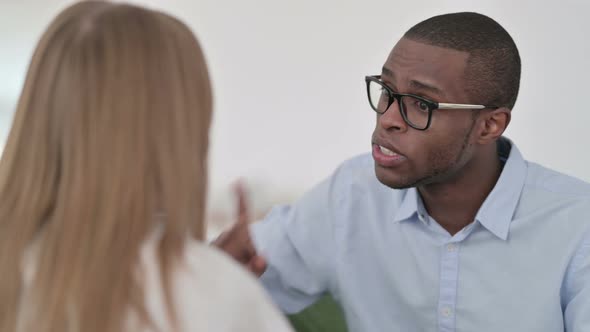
<point>446,227</point>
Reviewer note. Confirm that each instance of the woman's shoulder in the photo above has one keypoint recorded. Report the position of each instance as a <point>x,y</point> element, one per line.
<point>210,271</point>
<point>199,257</point>
<point>213,292</point>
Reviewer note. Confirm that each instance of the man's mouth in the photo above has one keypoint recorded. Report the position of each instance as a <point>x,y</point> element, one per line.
<point>386,157</point>
<point>386,151</point>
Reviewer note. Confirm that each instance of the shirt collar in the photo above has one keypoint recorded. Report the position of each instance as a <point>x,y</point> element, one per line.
<point>408,206</point>
<point>498,208</point>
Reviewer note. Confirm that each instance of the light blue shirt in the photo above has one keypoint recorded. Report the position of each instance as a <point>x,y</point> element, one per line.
<point>522,265</point>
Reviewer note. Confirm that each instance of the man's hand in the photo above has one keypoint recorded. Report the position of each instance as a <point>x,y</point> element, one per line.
<point>237,242</point>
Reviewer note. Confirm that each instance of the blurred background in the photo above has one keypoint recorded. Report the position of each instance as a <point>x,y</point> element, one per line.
<point>288,77</point>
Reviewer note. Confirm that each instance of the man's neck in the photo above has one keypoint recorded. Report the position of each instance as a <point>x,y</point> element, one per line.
<point>454,204</point>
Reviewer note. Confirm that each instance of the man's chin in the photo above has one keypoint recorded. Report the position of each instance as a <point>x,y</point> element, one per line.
<point>393,181</point>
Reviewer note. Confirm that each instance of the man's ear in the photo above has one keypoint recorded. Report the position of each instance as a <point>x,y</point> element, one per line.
<point>493,124</point>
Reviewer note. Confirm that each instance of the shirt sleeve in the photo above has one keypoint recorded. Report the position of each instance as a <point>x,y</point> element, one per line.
<point>577,293</point>
<point>298,244</point>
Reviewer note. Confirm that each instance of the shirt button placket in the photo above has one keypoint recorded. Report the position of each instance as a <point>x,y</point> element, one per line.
<point>449,271</point>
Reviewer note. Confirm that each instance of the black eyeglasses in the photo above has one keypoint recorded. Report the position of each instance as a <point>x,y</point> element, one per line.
<point>415,110</point>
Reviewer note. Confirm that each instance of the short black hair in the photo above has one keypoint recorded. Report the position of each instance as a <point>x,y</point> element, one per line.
<point>493,66</point>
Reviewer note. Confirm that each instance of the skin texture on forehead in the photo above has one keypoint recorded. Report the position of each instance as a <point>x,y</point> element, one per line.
<point>433,66</point>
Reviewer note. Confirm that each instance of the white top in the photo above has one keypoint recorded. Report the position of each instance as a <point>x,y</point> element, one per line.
<point>211,293</point>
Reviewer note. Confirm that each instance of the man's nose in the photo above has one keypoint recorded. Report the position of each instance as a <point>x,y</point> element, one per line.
<point>392,119</point>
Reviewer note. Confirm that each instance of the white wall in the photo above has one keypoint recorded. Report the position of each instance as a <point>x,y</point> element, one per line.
<point>288,78</point>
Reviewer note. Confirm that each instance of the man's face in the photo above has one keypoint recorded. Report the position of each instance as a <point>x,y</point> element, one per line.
<point>439,153</point>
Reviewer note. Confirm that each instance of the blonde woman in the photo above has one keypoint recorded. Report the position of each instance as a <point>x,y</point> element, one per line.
<point>102,186</point>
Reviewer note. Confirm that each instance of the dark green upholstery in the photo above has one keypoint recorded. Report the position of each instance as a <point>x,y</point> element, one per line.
<point>323,316</point>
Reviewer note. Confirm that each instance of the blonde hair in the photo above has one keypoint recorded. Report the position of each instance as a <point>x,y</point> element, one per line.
<point>111,129</point>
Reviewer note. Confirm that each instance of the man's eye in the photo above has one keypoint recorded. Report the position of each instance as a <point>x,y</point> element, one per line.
<point>422,106</point>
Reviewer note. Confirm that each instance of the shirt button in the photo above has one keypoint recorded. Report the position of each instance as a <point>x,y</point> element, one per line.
<point>451,247</point>
<point>446,311</point>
